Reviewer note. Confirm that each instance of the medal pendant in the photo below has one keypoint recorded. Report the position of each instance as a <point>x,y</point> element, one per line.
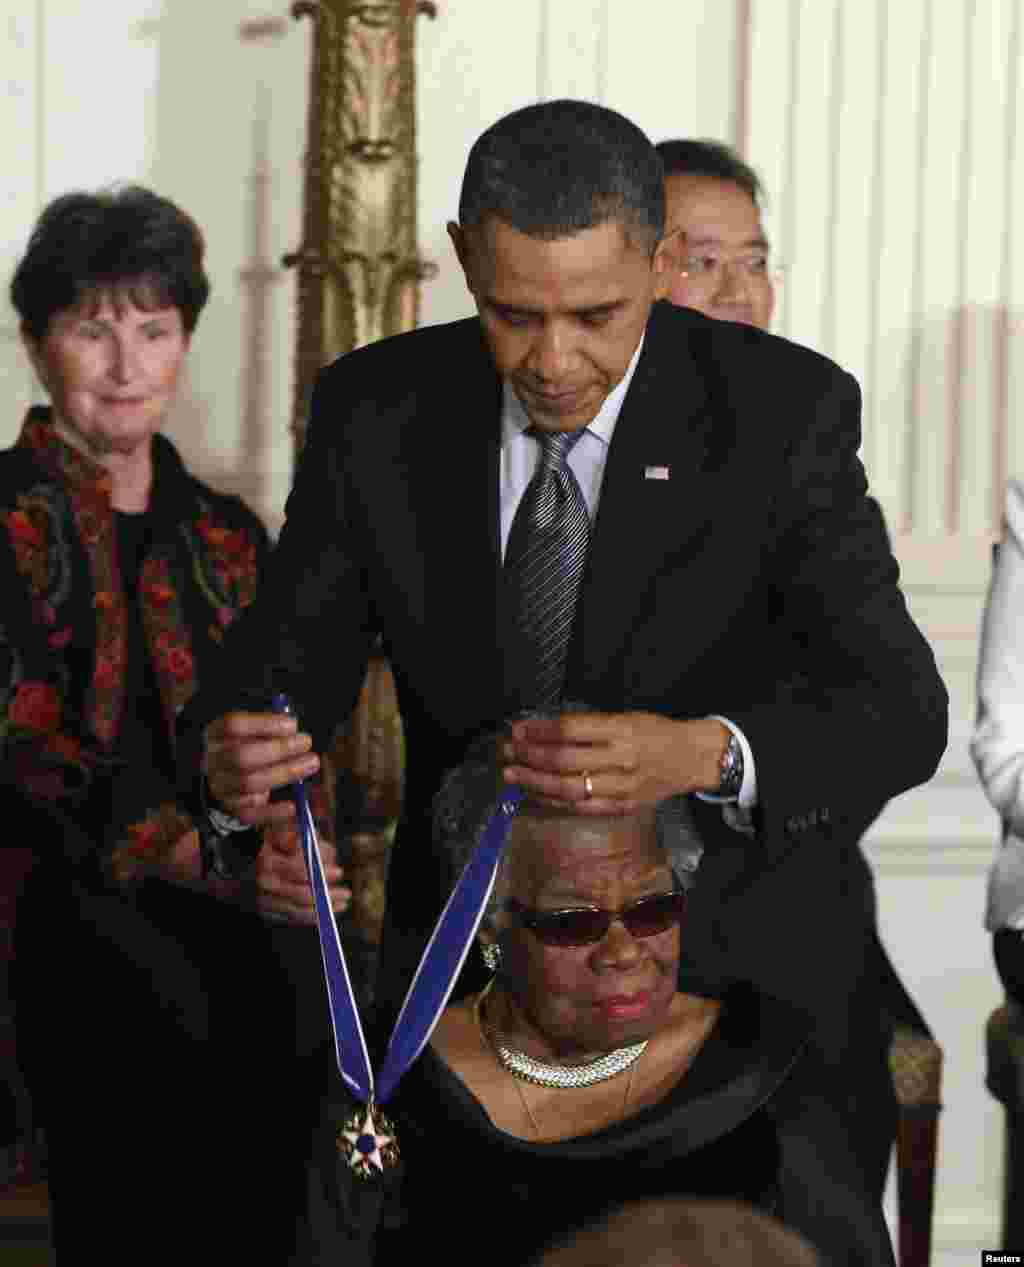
<point>367,1142</point>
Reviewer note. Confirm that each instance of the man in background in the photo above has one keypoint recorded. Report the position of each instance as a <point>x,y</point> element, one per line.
<point>713,206</point>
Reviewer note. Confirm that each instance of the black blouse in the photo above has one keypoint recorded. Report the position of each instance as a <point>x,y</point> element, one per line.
<point>721,1132</point>
<point>142,738</point>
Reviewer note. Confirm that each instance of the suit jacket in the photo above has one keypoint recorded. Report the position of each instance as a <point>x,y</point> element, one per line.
<point>761,554</point>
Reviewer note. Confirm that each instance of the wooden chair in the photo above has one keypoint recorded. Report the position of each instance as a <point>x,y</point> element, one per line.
<point>915,1060</point>
<point>1004,1077</point>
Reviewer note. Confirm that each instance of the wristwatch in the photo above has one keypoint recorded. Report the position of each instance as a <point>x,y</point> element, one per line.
<point>730,778</point>
<point>227,847</point>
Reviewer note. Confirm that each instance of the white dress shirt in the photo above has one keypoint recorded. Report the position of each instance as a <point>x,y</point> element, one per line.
<point>997,745</point>
<point>520,454</point>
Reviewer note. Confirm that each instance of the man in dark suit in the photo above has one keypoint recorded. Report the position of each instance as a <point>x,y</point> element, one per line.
<point>731,543</point>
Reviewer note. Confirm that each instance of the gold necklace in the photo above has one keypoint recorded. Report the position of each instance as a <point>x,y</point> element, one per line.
<point>489,1046</point>
<point>533,1120</point>
<point>600,1069</point>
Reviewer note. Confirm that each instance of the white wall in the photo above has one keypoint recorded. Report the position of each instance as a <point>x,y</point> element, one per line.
<point>669,66</point>
<point>887,135</point>
<point>206,104</point>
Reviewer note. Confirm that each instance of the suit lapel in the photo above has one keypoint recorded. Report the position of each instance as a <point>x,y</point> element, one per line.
<point>642,519</point>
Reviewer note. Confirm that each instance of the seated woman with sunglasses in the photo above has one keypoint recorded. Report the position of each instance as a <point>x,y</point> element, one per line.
<point>581,1076</point>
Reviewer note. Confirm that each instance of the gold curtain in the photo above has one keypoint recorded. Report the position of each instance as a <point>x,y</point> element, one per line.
<point>358,275</point>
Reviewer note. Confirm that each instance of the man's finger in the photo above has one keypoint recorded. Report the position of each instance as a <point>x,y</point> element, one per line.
<point>237,784</point>
<point>240,725</point>
<point>252,754</point>
<point>256,801</point>
<point>283,839</point>
<point>604,786</point>
<point>261,813</point>
<point>561,759</point>
<point>291,869</point>
<point>284,889</point>
<point>569,728</point>
<point>287,874</point>
<point>594,808</point>
<point>294,900</point>
<point>284,913</point>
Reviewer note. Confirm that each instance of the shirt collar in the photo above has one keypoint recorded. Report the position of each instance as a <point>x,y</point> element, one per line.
<point>602,427</point>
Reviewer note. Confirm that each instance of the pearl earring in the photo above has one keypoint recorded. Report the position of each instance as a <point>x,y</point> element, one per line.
<point>491,952</point>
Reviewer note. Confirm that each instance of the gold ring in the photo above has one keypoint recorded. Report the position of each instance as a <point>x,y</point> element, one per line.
<point>588,785</point>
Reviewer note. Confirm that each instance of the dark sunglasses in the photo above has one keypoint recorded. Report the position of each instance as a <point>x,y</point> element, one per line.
<point>584,925</point>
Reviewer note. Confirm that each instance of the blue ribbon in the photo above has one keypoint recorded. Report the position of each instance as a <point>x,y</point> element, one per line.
<point>439,965</point>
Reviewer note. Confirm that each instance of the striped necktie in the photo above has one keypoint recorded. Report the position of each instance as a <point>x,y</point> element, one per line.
<point>544,561</point>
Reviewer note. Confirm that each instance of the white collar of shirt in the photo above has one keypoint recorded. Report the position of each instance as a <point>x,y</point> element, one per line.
<point>515,422</point>
<point>521,452</point>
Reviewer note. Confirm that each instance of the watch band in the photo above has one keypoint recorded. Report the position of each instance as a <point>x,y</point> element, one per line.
<point>227,846</point>
<point>223,824</point>
<point>731,769</point>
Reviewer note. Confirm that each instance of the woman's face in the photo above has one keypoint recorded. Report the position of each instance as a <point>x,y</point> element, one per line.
<point>617,991</point>
<point>111,370</point>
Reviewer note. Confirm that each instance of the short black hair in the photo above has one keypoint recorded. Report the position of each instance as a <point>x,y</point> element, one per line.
<point>128,240</point>
<point>554,169</point>
<point>710,158</point>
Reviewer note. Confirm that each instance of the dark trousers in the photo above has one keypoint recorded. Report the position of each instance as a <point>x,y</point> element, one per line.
<point>1008,952</point>
<point>174,1047</point>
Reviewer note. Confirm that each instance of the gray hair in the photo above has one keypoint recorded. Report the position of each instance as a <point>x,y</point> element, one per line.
<point>469,796</point>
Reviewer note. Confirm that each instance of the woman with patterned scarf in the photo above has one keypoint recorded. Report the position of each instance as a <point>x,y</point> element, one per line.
<point>154,988</point>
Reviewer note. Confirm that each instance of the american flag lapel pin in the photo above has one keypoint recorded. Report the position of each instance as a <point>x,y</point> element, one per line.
<point>657,473</point>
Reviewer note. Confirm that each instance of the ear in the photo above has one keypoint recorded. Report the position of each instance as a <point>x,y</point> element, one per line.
<point>34,352</point>
<point>462,250</point>
<point>667,261</point>
<point>458,236</point>
<point>674,246</point>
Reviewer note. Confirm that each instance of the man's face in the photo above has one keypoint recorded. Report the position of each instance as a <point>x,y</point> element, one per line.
<point>562,318</point>
<point>722,266</point>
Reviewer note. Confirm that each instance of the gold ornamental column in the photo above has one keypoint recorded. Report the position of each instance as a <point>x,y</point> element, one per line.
<point>358,280</point>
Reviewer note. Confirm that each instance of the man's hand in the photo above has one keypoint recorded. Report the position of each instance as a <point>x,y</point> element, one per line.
<point>278,887</point>
<point>247,756</point>
<point>631,759</point>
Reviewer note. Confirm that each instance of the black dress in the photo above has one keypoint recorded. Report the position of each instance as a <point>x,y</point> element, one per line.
<point>751,1120</point>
